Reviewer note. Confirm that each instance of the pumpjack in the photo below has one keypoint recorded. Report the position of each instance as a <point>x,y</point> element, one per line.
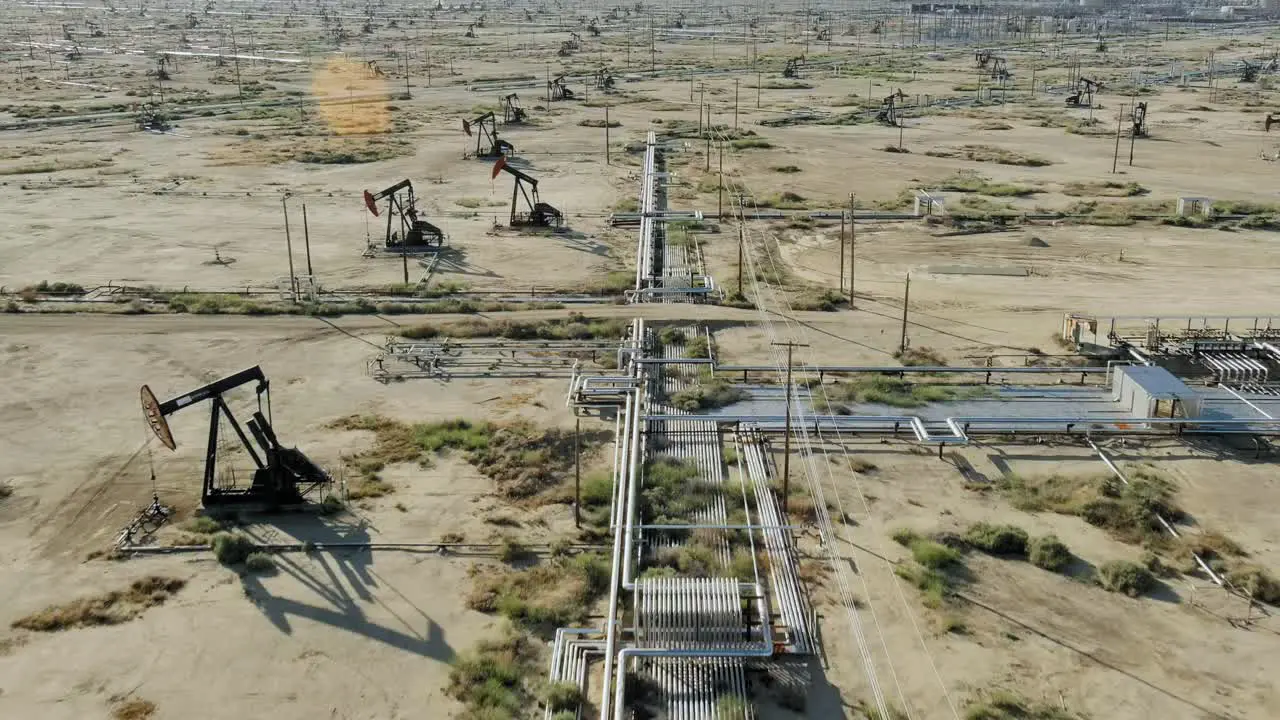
<point>539,214</point>
<point>1083,96</point>
<point>282,476</point>
<point>413,233</point>
<point>486,131</point>
<point>604,79</point>
<point>556,90</point>
<point>511,110</point>
<point>792,70</point>
<point>889,109</point>
<point>471,31</point>
<point>1248,72</point>
<point>1139,117</point>
<point>999,68</point>
<point>1269,121</point>
<point>152,119</point>
<point>982,58</point>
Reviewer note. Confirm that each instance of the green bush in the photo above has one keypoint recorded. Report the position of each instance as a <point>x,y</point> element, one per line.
<point>697,348</point>
<point>201,525</point>
<point>260,562</point>
<point>933,555</point>
<point>1125,577</point>
<point>714,394</point>
<point>231,548</point>
<point>562,696</point>
<point>1048,552</point>
<point>997,539</point>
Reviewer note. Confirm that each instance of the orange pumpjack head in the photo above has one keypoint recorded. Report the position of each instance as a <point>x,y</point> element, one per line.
<point>466,128</point>
<point>370,203</point>
<point>155,419</point>
<point>497,167</point>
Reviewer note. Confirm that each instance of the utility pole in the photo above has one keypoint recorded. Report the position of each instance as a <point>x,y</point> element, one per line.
<point>236,55</point>
<point>842,220</point>
<point>741,242</point>
<point>1133,134</point>
<point>288,243</point>
<point>735,103</point>
<point>404,46</point>
<point>701,91</point>
<point>1116,157</point>
<point>759,75</point>
<point>306,238</point>
<point>720,194</point>
<point>786,440</point>
<point>606,136</point>
<point>853,250</point>
<point>577,472</point>
<point>906,299</point>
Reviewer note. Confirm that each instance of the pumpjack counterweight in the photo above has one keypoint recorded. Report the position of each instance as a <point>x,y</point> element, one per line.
<point>281,476</point>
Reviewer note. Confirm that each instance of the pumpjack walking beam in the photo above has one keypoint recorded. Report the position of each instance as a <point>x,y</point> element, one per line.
<point>282,475</point>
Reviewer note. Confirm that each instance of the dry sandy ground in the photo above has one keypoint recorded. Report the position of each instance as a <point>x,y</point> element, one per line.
<point>1053,638</point>
<point>354,635</point>
<point>332,632</point>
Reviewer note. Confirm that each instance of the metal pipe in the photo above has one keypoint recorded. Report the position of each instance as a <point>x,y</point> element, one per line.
<point>764,650</point>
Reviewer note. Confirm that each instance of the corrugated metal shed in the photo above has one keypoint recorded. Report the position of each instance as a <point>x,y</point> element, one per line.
<point>1151,391</point>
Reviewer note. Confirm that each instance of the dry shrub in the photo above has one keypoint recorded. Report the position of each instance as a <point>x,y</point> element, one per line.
<point>1125,577</point>
<point>1049,553</point>
<point>554,594</point>
<point>111,608</point>
<point>1257,582</point>
<point>490,680</point>
<point>133,709</point>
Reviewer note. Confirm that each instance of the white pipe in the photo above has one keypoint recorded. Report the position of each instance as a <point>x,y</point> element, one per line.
<point>764,650</point>
<point>626,480</point>
<point>1164,523</point>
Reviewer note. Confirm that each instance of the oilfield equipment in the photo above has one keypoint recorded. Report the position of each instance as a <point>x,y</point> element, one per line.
<point>485,130</point>
<point>603,79</point>
<point>1083,95</point>
<point>1139,117</point>
<point>471,31</point>
<point>281,476</point>
<point>1248,72</point>
<point>794,65</point>
<point>511,110</point>
<point>557,90</point>
<point>1270,120</point>
<point>152,119</point>
<point>568,47</point>
<point>999,68</point>
<point>538,214</point>
<point>413,233</point>
<point>889,109</point>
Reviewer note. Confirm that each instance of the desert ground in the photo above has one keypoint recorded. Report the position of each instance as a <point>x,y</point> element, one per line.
<point>1038,225</point>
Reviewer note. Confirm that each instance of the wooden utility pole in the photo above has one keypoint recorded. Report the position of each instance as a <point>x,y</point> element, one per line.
<point>577,472</point>
<point>306,238</point>
<point>288,243</point>
<point>853,250</point>
<point>606,136</point>
<point>759,75</point>
<point>786,439</point>
<point>735,103</point>
<point>1116,157</point>
<point>906,300</point>
<point>842,221</point>
<point>720,194</point>
<point>701,94</point>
